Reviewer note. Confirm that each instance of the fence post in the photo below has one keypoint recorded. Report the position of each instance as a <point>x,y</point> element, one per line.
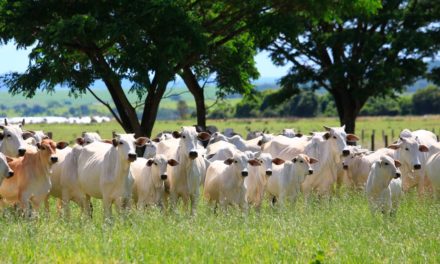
<point>386,140</point>
<point>392,134</point>
<point>50,135</point>
<point>372,139</point>
<point>113,134</point>
<point>362,136</point>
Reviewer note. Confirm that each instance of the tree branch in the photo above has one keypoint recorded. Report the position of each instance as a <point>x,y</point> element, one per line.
<point>106,105</point>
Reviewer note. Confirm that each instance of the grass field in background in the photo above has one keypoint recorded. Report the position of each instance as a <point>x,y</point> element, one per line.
<point>69,132</point>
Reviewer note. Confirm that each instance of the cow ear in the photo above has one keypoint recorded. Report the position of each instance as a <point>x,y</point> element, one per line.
<point>157,140</point>
<point>312,160</point>
<point>327,128</point>
<point>260,142</point>
<point>173,162</point>
<point>294,160</point>
<point>150,162</point>
<point>177,134</point>
<point>80,141</point>
<point>2,136</point>
<point>210,156</point>
<point>326,136</point>
<point>22,123</point>
<point>108,141</point>
<point>27,135</point>
<point>6,122</point>
<point>298,135</point>
<point>140,141</point>
<point>115,142</point>
<point>277,161</point>
<point>254,162</point>
<point>203,136</point>
<point>423,148</point>
<point>352,137</point>
<point>397,163</point>
<point>394,146</point>
<point>229,161</point>
<point>62,145</point>
<point>9,159</point>
<point>38,145</point>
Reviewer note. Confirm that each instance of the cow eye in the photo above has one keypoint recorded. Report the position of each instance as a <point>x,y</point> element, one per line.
<point>9,135</point>
<point>406,149</point>
<point>235,161</point>
<point>301,161</point>
<point>155,163</point>
<point>121,143</point>
<point>334,137</point>
<point>386,163</point>
<point>183,137</point>
<point>88,142</point>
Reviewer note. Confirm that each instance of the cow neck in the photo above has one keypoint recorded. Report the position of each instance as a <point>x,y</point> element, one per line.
<point>319,150</point>
<point>119,168</point>
<point>379,183</point>
<point>37,162</point>
<point>153,173</point>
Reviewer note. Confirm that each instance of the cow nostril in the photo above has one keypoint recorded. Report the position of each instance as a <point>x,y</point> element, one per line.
<point>54,159</point>
<point>310,172</point>
<point>244,173</point>
<point>346,152</point>
<point>10,174</point>
<point>193,154</point>
<point>21,152</point>
<point>345,167</point>
<point>163,177</point>
<point>268,173</point>
<point>397,175</point>
<point>417,167</point>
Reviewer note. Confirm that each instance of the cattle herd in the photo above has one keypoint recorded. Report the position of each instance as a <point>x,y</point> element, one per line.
<point>229,170</point>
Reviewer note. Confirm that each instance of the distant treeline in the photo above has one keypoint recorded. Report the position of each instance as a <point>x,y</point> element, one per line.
<point>279,103</point>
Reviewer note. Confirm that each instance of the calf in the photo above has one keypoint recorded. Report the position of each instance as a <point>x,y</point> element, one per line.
<point>384,188</point>
<point>103,171</point>
<point>149,180</point>
<point>285,182</point>
<point>5,171</point>
<point>256,182</point>
<point>224,183</point>
<point>31,182</point>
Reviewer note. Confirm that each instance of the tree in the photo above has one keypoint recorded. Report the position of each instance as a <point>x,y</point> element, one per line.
<point>144,42</point>
<point>358,54</point>
<point>182,109</point>
<point>427,100</point>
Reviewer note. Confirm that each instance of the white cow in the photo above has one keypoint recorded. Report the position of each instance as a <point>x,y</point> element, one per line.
<point>149,180</point>
<point>13,140</point>
<point>238,141</point>
<point>150,149</point>
<point>384,189</point>
<point>290,132</point>
<point>185,179</point>
<point>256,182</point>
<point>413,151</point>
<point>224,183</point>
<point>37,137</point>
<point>220,151</point>
<point>285,182</point>
<point>103,171</point>
<point>5,171</point>
<point>280,142</point>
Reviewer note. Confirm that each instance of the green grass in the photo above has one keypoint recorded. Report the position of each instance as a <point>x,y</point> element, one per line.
<point>340,230</point>
<point>305,125</point>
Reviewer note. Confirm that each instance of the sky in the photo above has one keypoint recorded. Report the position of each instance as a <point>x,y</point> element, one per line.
<point>12,59</point>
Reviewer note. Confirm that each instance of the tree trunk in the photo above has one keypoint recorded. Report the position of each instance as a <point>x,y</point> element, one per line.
<point>348,108</point>
<point>151,108</point>
<point>193,86</point>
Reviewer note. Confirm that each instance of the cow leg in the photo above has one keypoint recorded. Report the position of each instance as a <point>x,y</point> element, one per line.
<point>194,201</point>
<point>65,203</point>
<point>88,206</point>
<point>107,205</point>
<point>25,205</point>
<point>47,204</point>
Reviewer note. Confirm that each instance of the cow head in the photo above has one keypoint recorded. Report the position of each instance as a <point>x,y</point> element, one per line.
<point>150,149</point>
<point>47,150</point>
<point>266,160</point>
<point>387,168</point>
<point>340,138</point>
<point>189,138</point>
<point>13,144</point>
<point>355,154</point>
<point>239,164</point>
<point>5,170</point>
<point>410,151</point>
<point>159,165</point>
<point>302,163</point>
<point>126,145</point>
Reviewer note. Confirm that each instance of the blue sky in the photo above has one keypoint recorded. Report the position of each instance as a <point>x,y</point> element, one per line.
<point>12,59</point>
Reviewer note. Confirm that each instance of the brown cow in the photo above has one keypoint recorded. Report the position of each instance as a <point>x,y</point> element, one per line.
<point>31,181</point>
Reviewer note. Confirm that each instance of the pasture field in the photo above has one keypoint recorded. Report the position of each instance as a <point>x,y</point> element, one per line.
<point>305,125</point>
<point>339,230</point>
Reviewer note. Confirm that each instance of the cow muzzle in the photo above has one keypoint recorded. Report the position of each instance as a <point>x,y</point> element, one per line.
<point>193,155</point>
<point>21,152</point>
<point>163,177</point>
<point>10,174</point>
<point>345,152</point>
<point>54,159</point>
<point>310,172</point>
<point>269,173</point>
<point>417,167</point>
<point>131,157</point>
<point>345,167</point>
<point>244,173</point>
